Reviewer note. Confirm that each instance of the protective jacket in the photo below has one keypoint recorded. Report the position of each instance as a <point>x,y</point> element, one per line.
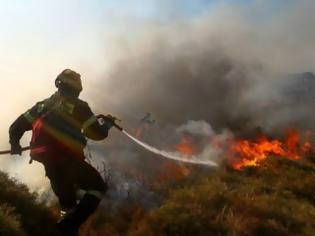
<point>59,124</point>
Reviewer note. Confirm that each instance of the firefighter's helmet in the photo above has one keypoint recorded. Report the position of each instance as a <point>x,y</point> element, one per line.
<point>69,82</point>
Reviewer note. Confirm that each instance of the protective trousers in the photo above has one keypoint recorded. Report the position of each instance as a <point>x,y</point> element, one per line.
<point>68,174</point>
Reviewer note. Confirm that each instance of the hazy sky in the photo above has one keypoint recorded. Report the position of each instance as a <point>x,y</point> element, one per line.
<point>39,38</point>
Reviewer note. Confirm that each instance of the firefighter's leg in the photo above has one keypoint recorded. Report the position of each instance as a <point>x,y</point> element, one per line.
<point>62,186</point>
<point>66,194</point>
<point>90,181</point>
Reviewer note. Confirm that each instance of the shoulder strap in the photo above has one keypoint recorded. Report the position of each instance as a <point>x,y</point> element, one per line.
<point>49,104</point>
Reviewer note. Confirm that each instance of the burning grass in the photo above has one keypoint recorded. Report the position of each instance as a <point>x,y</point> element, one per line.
<point>267,189</point>
<point>244,153</point>
<point>185,146</point>
<point>276,198</point>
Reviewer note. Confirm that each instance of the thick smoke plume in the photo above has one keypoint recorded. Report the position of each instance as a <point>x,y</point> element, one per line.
<point>226,73</point>
<point>220,75</point>
<point>225,67</point>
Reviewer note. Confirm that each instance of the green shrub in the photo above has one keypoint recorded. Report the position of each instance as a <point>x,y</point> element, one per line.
<point>274,199</point>
<point>10,224</point>
<point>22,213</point>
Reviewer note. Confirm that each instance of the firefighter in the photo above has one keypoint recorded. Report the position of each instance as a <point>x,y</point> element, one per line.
<point>60,127</point>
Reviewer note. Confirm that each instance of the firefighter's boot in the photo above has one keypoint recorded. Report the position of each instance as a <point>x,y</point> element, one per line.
<point>71,222</point>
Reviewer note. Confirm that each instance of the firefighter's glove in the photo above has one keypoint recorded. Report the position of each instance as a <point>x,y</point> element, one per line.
<point>16,149</point>
<point>107,121</point>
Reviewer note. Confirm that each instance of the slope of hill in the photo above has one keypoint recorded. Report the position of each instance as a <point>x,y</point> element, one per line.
<point>277,198</point>
<point>20,212</point>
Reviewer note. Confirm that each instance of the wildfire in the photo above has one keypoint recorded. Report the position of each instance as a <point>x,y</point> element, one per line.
<point>241,153</point>
<point>139,132</point>
<point>244,153</point>
<point>185,146</point>
<point>172,171</point>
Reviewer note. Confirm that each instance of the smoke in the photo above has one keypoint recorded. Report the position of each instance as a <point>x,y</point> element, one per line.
<point>172,156</point>
<point>196,127</point>
<point>224,67</point>
<point>211,75</point>
<point>222,74</point>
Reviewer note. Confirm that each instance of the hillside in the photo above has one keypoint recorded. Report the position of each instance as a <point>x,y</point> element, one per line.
<point>276,198</point>
<point>20,212</point>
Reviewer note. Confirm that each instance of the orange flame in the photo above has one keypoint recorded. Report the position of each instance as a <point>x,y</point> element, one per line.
<point>185,146</point>
<point>139,132</point>
<point>172,171</point>
<point>244,153</point>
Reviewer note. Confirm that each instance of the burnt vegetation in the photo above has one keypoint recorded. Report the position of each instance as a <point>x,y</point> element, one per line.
<point>276,198</point>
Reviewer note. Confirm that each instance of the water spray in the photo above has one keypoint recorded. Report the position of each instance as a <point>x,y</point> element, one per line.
<point>171,155</point>
<point>192,159</point>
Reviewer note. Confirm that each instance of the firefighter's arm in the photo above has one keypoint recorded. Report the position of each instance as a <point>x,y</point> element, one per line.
<point>16,131</point>
<point>22,124</point>
<point>94,128</point>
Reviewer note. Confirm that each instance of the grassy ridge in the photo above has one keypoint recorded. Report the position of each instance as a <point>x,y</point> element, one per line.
<point>277,198</point>
<point>20,213</point>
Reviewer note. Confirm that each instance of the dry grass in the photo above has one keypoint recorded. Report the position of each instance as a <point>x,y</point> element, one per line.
<point>275,199</point>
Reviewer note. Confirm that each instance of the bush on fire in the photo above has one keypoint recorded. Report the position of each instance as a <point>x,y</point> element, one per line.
<point>277,198</point>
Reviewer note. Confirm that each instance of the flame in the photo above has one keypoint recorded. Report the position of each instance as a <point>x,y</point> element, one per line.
<point>139,132</point>
<point>172,171</point>
<point>185,146</point>
<point>244,153</point>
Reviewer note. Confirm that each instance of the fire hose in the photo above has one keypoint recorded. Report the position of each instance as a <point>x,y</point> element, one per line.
<point>166,154</point>
<point>9,151</point>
